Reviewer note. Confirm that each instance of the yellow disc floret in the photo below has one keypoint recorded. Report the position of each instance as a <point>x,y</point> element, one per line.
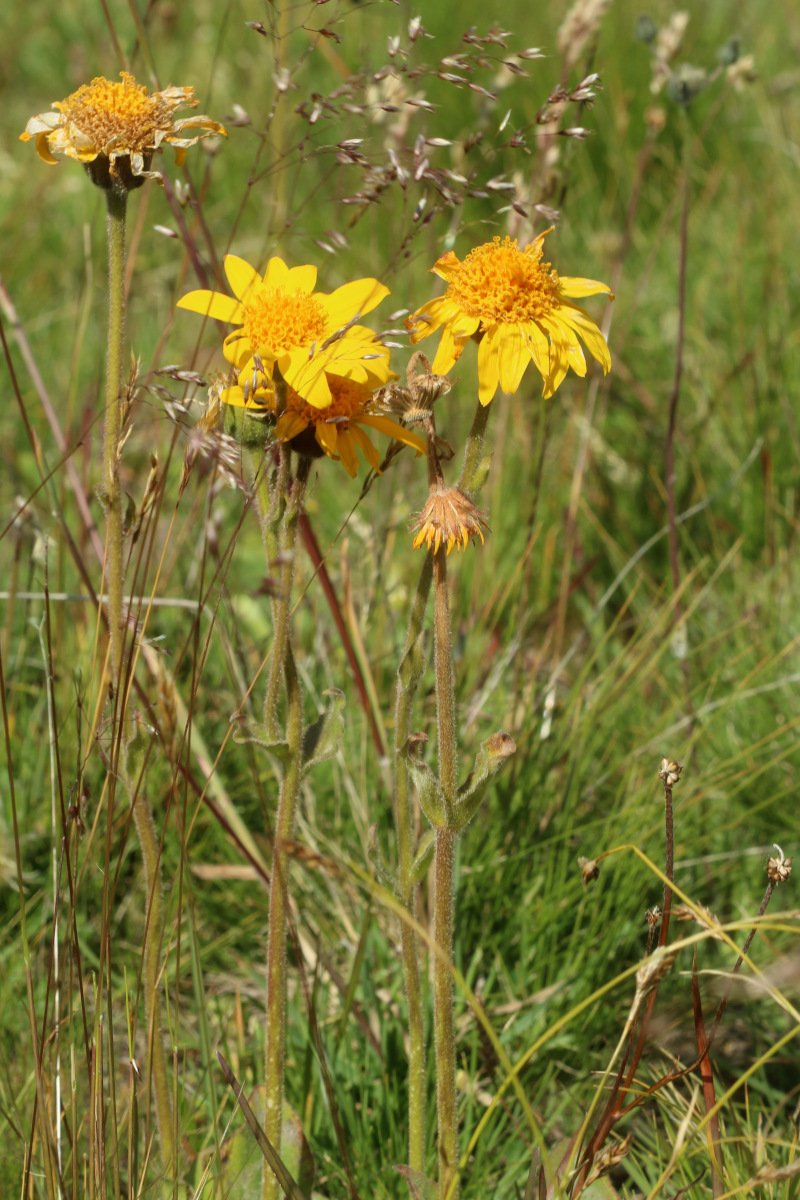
<point>498,282</point>
<point>116,114</point>
<point>275,320</point>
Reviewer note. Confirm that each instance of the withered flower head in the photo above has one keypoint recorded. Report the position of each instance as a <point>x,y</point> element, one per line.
<point>779,867</point>
<point>449,518</point>
<point>114,129</point>
<point>590,869</point>
<point>670,772</point>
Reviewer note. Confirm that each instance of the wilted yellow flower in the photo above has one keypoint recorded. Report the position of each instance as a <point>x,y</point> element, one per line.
<point>521,311</point>
<point>115,128</point>
<point>283,322</point>
<point>337,430</point>
<point>449,518</point>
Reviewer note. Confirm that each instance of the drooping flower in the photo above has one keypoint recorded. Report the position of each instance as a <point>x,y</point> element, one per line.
<point>448,518</point>
<point>519,309</point>
<point>338,430</point>
<point>114,129</point>
<point>283,322</point>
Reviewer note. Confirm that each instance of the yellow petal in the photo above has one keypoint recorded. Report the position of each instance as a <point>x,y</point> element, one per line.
<point>446,265</point>
<point>514,358</point>
<point>369,451</point>
<point>595,342</point>
<point>241,276</point>
<point>538,348</point>
<point>276,273</point>
<point>43,149</point>
<point>327,436</point>
<point>212,304</point>
<point>307,377</point>
<point>288,425</point>
<point>302,279</point>
<point>393,429</point>
<point>574,286</point>
<point>488,365</point>
<point>347,451</point>
<point>353,299</point>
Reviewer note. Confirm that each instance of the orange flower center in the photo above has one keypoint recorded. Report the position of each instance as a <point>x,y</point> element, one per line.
<point>500,283</point>
<point>348,402</point>
<point>116,115</point>
<point>276,320</point>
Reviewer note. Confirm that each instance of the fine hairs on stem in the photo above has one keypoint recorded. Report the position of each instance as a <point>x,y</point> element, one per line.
<point>116,198</point>
<point>281,508</point>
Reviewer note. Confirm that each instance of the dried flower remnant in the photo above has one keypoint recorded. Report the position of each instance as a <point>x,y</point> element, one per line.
<point>450,519</point>
<point>114,129</point>
<point>590,869</point>
<point>669,772</point>
<point>779,867</point>
<point>284,323</point>
<point>520,309</point>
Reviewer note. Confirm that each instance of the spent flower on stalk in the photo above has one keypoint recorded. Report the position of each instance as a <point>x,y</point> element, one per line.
<point>284,323</point>
<point>114,129</point>
<point>519,309</point>
<point>448,518</point>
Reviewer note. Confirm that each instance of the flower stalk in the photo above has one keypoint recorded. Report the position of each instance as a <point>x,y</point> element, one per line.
<point>117,203</point>
<point>282,671</point>
<point>407,679</point>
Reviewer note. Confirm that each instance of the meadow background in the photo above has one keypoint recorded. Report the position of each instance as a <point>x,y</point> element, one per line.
<point>565,620</point>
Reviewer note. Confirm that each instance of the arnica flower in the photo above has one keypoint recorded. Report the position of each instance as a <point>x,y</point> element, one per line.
<point>449,518</point>
<point>519,309</point>
<point>283,322</point>
<point>114,129</point>
<point>338,430</point>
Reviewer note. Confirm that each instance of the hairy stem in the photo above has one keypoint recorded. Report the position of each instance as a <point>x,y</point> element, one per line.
<point>444,894</point>
<point>407,680</point>
<point>291,771</point>
<point>117,206</point>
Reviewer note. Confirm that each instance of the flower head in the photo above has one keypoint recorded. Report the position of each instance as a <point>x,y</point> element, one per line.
<point>310,336</point>
<point>449,518</point>
<point>521,311</point>
<point>115,128</point>
<point>339,430</point>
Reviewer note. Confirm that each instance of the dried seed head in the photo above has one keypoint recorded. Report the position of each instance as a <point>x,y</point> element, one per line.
<point>779,867</point>
<point>653,915</point>
<point>590,869</point>
<point>449,518</point>
<point>670,772</point>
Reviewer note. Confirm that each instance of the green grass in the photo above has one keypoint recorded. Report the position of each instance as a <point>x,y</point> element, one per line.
<point>562,607</point>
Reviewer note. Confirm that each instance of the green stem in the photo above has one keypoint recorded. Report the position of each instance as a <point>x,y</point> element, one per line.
<point>154,931</point>
<point>444,1033</point>
<point>117,206</point>
<point>276,937</point>
<point>471,473</point>
<point>281,609</point>
<point>282,670</point>
<point>117,199</point>
<point>407,680</point>
<point>444,893</point>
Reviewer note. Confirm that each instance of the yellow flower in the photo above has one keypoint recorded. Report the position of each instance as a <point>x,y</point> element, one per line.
<point>283,322</point>
<point>449,519</point>
<point>337,430</point>
<point>115,128</point>
<point>521,311</point>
